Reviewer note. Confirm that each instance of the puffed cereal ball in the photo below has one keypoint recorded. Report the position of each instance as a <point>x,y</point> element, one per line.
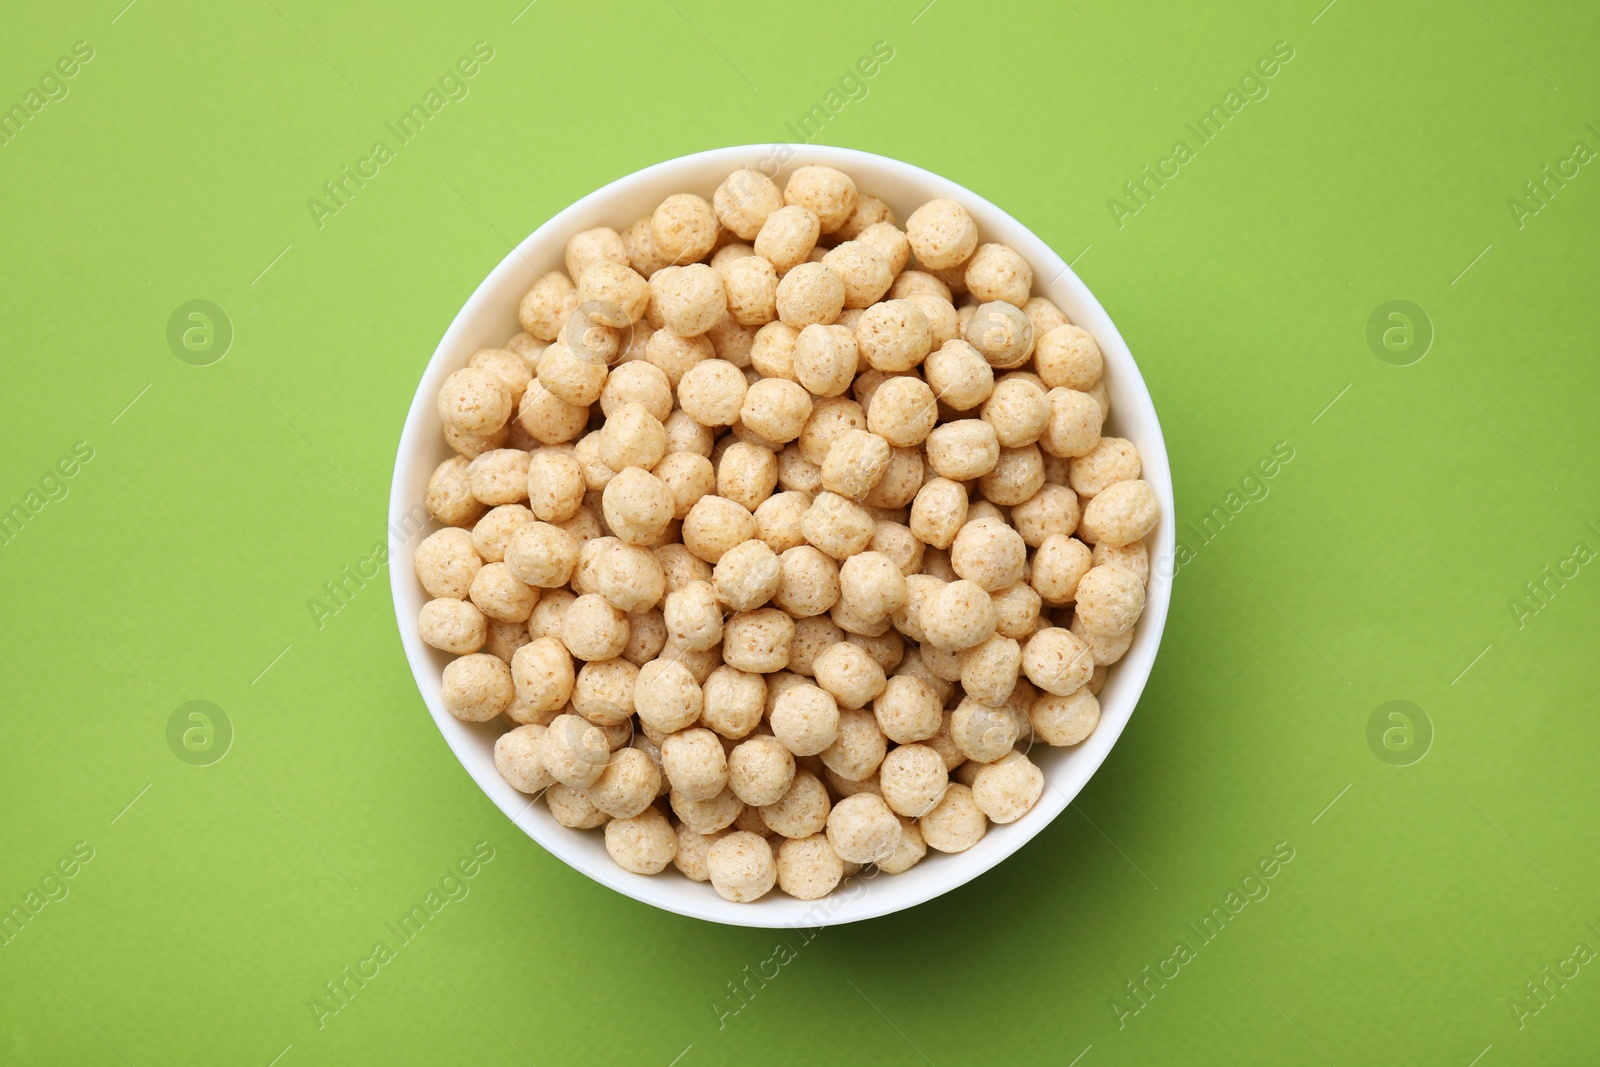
<point>637,382</point>
<point>1057,661</point>
<point>742,867</point>
<point>849,675</point>
<point>679,567</point>
<point>998,272</point>
<point>913,779</point>
<point>747,575</point>
<point>837,526</point>
<point>1001,333</point>
<point>808,868</point>
<point>746,474</point>
<point>452,625</point>
<point>688,477</point>
<point>808,295</point>
<point>613,294</point>
<point>1018,410</point>
<point>626,787</point>
<point>787,237</point>
<point>956,823</point>
<point>808,582</point>
<point>760,769</point>
<point>989,670</point>
<point>688,299</point>
<point>896,541</point>
<point>446,562</point>
<point>798,474</point>
<point>629,577</point>
<point>957,617</point>
<point>1113,459</point>
<point>549,419</point>
<point>831,418</point>
<point>825,359</point>
<point>500,476</point>
<point>666,695</point>
<point>903,412</point>
<point>1134,557</point>
<point>802,810</point>
<point>603,692</point>
<point>643,843</point>
<point>733,702</point>
<point>894,335</point>
<point>554,485</point>
<point>752,290</point>
<point>990,553</point>
<point>778,520</point>
<point>542,673</point>
<point>638,506</point>
<point>1059,566</point>
<point>805,719</point>
<point>1122,513</point>
<point>516,757</point>
<point>675,353</point>
<point>695,763</point>
<point>757,641</point>
<point>550,614</point>
<point>1017,476</point>
<point>572,375</point>
<point>959,375</point>
<point>862,829</point>
<point>1016,611</point>
<point>855,463</point>
<point>714,525</point>
<point>872,586</point>
<point>477,687</point>
<point>772,350</point>
<point>684,228</point>
<point>828,193</point>
<point>939,512</point>
<point>1109,600</point>
<point>1074,425</point>
<point>884,236</point>
<point>744,200</point>
<point>942,234</point>
<point>776,408</point>
<point>547,305</point>
<point>1007,789</point>
<point>1065,720</point>
<point>1068,356</point>
<point>694,853</point>
<point>474,401</point>
<point>593,629</point>
<point>712,392</point>
<point>500,595</point>
<point>601,244</point>
<point>908,709</point>
<point>569,807</point>
<point>693,617</point>
<point>908,853</point>
<point>707,816</point>
<point>859,748</point>
<point>574,751</point>
<point>1052,510</point>
<point>963,450</point>
<point>685,435</point>
<point>865,273</point>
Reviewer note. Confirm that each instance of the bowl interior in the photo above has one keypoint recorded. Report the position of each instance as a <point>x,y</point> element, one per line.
<point>490,317</point>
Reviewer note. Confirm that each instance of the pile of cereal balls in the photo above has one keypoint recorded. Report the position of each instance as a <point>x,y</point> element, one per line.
<point>781,533</point>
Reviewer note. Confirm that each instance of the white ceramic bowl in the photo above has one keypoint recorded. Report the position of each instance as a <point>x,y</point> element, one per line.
<point>490,317</point>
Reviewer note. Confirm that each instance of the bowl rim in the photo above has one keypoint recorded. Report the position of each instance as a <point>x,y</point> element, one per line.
<point>1130,675</point>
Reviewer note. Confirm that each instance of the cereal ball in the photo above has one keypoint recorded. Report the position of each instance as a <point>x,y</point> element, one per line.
<point>549,419</point>
<point>1073,428</point>
<point>1134,557</point>
<point>1017,476</point>
<point>707,816</point>
<point>787,237</point>
<point>712,392</point>
<point>546,306</point>
<point>989,670</point>
<point>1018,410</point>
<point>896,541</point>
<point>997,272</point>
<point>868,212</point>
<point>907,710</point>
<point>862,829</point>
<point>473,445</point>
<point>849,675</point>
<point>808,868</point>
<point>885,237</point>
<point>613,294</point>
<point>744,200</point>
<point>550,614</point>
<point>865,273</point>
<point>694,853</point>
<point>757,641</point>
<point>603,692</point>
<point>500,476</point>
<point>625,788</point>
<point>695,763</point>
<point>944,325</point>
<point>956,823</point>
<point>772,351</point>
<point>778,520</point>
<point>891,497</point>
<point>828,193</point>
<point>1016,611</point>
<point>859,748</point>
<point>751,284</point>
<point>733,702</point>
<point>802,810</point>
<point>908,853</point>
<point>831,418</point>
<point>989,553</point>
<point>742,867</point>
<point>812,637</point>
<point>746,474</point>
<point>638,505</point>
<point>959,375</point>
<point>776,408</point>
<point>942,234</point>
<point>477,687</point>
<point>902,411</point>
<point>837,526</point>
<point>446,562</point>
<point>452,625</point>
<point>1059,565</point>
<point>679,567</point>
<point>808,582</point>
<point>647,636</point>
<point>963,450</point>
<point>805,718</point>
<point>542,672</point>
<point>714,525</point>
<point>747,575</point>
<point>1068,356</point>
<point>825,359</point>
<point>643,256</point>
<point>589,553</point>
<point>1113,459</point>
<point>913,779</point>
<point>731,341</point>
<point>1044,315</point>
<point>637,382</point>
<point>666,695</point>
<point>601,244</point>
<point>504,638</point>
<point>1052,510</point>
<point>872,586</point>
<point>516,757</point>
<point>554,485</point>
<point>570,808</point>
<point>1057,661</point>
<point>808,295</point>
<point>1122,513</point>
<point>1006,790</point>
<point>1001,333</point>
<point>474,401</point>
<point>854,464</point>
<point>500,595</point>
<point>693,617</point>
<point>939,512</point>
<point>797,473</point>
<point>894,335</point>
<point>574,751</point>
<point>918,283</point>
<point>644,843</point>
<point>1065,720</point>
<point>574,377</point>
<point>1109,600</point>
<point>593,629</point>
<point>760,769</point>
<point>675,353</point>
<point>688,477</point>
<point>683,434</point>
<point>689,299</point>
<point>507,366</point>
<point>957,617</point>
<point>527,346</point>
<point>683,228</point>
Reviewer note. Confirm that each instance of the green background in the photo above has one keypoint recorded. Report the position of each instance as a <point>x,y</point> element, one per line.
<point>1383,565</point>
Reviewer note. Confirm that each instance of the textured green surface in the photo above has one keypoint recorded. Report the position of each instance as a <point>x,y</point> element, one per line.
<point>1383,563</point>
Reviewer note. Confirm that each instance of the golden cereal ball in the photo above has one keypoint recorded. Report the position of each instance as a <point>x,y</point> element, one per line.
<point>555,485</point>
<point>1065,720</point>
<point>831,418</point>
<point>989,670</point>
<point>642,844</point>
<point>746,576</point>
<point>474,401</point>
<point>942,234</point>
<point>1074,425</point>
<point>850,677</point>
<point>588,341</point>
<point>1001,333</point>
<point>920,588</point>
<point>957,617</point>
<point>574,751</point>
<point>744,200</point>
<point>809,295</point>
<point>505,365</point>
<point>550,614</point>
<point>787,237</point>
<point>643,256</point>
<point>989,553</point>
<point>527,346</point>
<point>798,474</point>
<point>666,695</point>
<point>1133,556</point>
<point>593,629</point>
<point>956,823</point>
<point>802,810</point>
<point>869,211</point>
<point>912,283</point>
<point>572,375</point>
<point>679,567</point>
<point>473,445</point>
<point>1109,600</point>
<point>613,294</point>
<point>543,675</point>
<point>675,353</point>
<point>477,687</point>
<point>903,411</point>
<point>742,867</point>
<point>963,450</point>
<point>855,462</point>
<point>939,512</point>
<point>570,808</point>
<point>872,586</point>
<point>757,641</point>
<point>1067,356</point>
<point>778,518</point>
<point>695,763</point>
<point>547,418</point>
<point>732,341</point>
<point>452,625</point>
<point>712,392</point>
<point>733,702</point>
<point>944,325</point>
<point>825,359</point>
<point>1059,565</point>
<point>693,858</point>
<point>894,335</point>
<point>1113,459</point>
<point>828,193</point>
<point>808,582</point>
<point>707,816</point>
<point>516,757</point>
<point>913,779</point>
<point>891,497</point>
<point>446,562</point>
<point>862,829</point>
<point>837,526</point>
<point>1122,513</point>
<point>760,769</point>
<point>959,375</point>
<point>805,719</point>
<point>1052,510</point>
<point>899,544</point>
<point>693,617</point>
<point>865,273</point>
<point>688,477</point>
<point>1007,789</point>
<point>626,787</point>
<point>504,638</point>
<point>499,476</point>
<point>776,408</point>
<point>1057,662</point>
<point>1016,611</point>
<point>603,691</point>
<point>1017,477</point>
<point>637,382</point>
<point>812,637</point>
<point>1045,316</point>
<point>684,228</point>
<point>638,505</point>
<point>547,305</point>
<point>1018,410</point>
<point>751,284</point>
<point>589,553</point>
<point>908,853</point>
<point>714,525</point>
<point>500,595</point>
<point>772,351</point>
<point>998,272</point>
<point>887,239</point>
<point>601,244</point>
<point>632,437</point>
<point>746,474</point>
<point>808,868</point>
<point>984,509</point>
<point>689,299</point>
<point>685,435</point>
<point>859,748</point>
<point>848,619</point>
<point>908,709</point>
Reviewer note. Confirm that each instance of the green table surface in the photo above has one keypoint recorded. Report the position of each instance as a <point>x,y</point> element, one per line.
<point>1431,541</point>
